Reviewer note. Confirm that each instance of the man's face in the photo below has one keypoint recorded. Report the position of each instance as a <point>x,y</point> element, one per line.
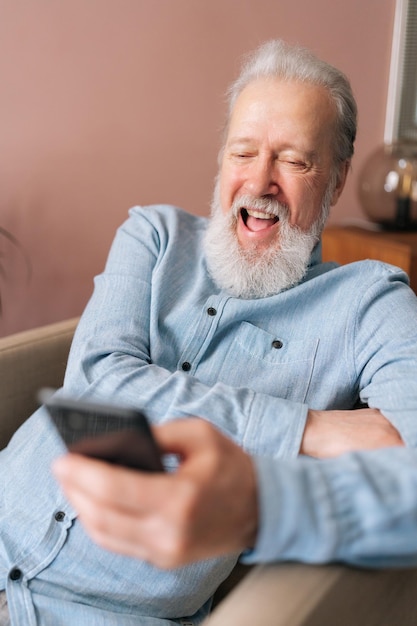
<point>279,147</point>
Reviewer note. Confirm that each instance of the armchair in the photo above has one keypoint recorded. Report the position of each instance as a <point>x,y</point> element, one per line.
<point>271,595</point>
<point>30,360</point>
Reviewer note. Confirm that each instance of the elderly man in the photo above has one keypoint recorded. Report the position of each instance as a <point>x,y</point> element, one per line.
<point>234,327</point>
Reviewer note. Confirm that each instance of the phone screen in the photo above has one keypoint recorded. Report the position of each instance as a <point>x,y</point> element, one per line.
<point>114,434</point>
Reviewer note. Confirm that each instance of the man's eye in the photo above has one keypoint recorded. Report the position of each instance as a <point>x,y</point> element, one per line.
<point>241,157</point>
<point>297,165</point>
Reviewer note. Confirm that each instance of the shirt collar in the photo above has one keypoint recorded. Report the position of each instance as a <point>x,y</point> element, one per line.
<point>315,258</point>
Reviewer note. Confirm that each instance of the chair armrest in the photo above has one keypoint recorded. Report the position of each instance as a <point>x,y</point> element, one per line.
<point>307,595</point>
<point>29,360</point>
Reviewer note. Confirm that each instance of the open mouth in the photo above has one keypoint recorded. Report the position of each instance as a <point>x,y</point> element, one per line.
<point>257,220</point>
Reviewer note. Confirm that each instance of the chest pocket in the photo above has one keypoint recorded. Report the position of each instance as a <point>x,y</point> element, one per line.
<point>269,363</point>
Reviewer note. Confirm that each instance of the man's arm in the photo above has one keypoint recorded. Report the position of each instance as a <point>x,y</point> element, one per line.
<point>360,508</point>
<point>332,433</point>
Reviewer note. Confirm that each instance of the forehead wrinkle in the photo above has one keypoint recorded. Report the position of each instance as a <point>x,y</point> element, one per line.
<point>236,141</point>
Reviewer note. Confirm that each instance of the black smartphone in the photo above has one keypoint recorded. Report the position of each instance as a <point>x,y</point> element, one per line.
<point>114,434</point>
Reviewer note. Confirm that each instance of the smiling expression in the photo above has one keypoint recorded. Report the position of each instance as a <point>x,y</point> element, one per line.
<point>278,146</point>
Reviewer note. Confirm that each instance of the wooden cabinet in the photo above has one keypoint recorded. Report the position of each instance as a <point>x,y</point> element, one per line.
<point>351,243</point>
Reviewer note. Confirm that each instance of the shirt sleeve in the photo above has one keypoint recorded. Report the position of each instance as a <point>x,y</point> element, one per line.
<point>384,350</point>
<point>360,508</point>
<point>110,356</point>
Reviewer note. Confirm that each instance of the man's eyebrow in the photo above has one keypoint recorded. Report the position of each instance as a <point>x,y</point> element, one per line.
<point>237,141</point>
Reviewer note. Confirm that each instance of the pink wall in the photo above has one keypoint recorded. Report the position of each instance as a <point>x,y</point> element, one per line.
<point>109,103</point>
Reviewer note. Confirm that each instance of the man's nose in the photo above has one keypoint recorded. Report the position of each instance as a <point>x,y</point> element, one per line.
<point>262,178</point>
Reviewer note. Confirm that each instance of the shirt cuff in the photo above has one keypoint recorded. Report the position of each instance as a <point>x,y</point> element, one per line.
<point>295,524</point>
<point>275,427</point>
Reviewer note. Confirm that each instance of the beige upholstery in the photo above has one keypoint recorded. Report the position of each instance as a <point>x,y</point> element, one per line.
<point>307,595</point>
<point>28,361</point>
<point>276,595</point>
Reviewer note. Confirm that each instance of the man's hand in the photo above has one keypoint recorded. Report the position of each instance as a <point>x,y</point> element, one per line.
<point>206,508</point>
<point>331,433</point>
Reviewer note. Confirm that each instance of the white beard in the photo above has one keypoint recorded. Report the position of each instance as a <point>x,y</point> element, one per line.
<point>247,272</point>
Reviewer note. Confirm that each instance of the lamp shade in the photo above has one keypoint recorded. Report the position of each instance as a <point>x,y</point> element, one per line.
<point>387,186</point>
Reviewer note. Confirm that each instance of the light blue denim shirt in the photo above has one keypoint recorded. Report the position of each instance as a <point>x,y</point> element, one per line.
<point>159,334</point>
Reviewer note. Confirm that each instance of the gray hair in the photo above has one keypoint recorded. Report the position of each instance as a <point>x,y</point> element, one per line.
<point>278,59</point>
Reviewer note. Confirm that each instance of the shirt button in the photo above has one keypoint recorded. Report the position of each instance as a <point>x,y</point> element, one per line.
<point>186,366</point>
<point>59,516</point>
<point>15,574</point>
<point>277,344</point>
<point>211,311</point>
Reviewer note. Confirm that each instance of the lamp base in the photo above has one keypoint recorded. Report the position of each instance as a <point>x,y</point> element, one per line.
<point>388,186</point>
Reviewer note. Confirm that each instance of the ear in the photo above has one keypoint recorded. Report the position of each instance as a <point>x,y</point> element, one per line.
<point>341,180</point>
